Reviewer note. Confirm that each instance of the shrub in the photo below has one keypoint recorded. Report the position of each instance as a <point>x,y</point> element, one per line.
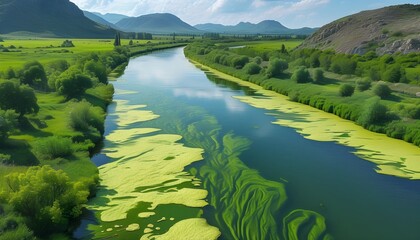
<point>8,122</point>
<point>301,75</point>
<point>393,74</point>
<point>373,112</point>
<point>276,67</point>
<point>72,83</point>
<point>53,147</point>
<point>363,84</point>
<point>96,69</point>
<point>318,75</point>
<point>346,90</point>
<point>252,68</point>
<point>239,62</point>
<point>382,90</point>
<point>83,116</point>
<point>258,60</point>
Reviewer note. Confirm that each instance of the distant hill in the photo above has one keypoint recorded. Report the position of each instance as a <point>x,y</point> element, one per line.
<point>156,23</point>
<point>111,17</point>
<point>59,18</point>
<point>386,30</point>
<point>264,27</point>
<point>94,17</point>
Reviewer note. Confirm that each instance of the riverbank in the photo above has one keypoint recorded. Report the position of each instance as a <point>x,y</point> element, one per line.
<point>392,157</point>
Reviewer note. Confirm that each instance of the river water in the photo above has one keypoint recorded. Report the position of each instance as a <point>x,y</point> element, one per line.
<point>185,158</point>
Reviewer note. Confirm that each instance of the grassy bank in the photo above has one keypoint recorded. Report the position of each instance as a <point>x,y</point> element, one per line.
<point>66,94</point>
<point>290,73</point>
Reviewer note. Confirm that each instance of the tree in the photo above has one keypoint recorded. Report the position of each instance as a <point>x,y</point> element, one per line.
<point>363,84</point>
<point>346,90</point>
<point>96,69</point>
<point>8,122</point>
<point>382,90</point>
<point>117,41</point>
<point>73,83</point>
<point>318,75</point>
<point>239,62</point>
<point>12,226</point>
<point>252,68</point>
<point>10,73</point>
<point>46,197</point>
<point>314,60</point>
<point>22,99</point>
<point>373,112</point>
<point>276,67</point>
<point>34,75</point>
<point>301,75</point>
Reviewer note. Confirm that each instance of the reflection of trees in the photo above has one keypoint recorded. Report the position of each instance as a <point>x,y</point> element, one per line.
<point>232,85</point>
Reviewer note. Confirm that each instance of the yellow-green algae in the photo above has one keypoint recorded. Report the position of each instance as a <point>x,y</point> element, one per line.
<point>392,156</point>
<point>247,206</point>
<point>193,229</point>
<point>149,176</point>
<point>302,224</point>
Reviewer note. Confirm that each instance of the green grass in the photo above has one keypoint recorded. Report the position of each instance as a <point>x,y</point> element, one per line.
<point>264,46</point>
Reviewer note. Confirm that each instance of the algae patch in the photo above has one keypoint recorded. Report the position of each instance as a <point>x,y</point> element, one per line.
<point>392,156</point>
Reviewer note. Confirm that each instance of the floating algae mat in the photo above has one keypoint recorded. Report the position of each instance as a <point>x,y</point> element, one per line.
<point>392,156</point>
<point>148,172</point>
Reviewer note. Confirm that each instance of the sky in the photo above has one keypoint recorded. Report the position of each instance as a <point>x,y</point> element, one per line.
<point>291,13</point>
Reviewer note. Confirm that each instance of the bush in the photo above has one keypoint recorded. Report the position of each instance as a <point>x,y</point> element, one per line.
<point>53,147</point>
<point>72,83</point>
<point>252,68</point>
<point>382,90</point>
<point>239,62</point>
<point>363,84</point>
<point>12,226</point>
<point>373,112</point>
<point>318,75</point>
<point>84,116</point>
<point>301,75</point>
<point>47,198</point>
<point>96,69</point>
<point>8,122</point>
<point>393,74</point>
<point>258,60</point>
<point>22,99</point>
<point>276,67</point>
<point>346,90</point>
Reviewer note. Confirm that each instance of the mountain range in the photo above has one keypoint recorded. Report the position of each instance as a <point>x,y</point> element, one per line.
<point>58,18</point>
<point>264,27</point>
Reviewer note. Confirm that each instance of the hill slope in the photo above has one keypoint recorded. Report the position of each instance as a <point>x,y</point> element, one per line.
<point>59,18</point>
<point>156,23</point>
<point>111,17</point>
<point>386,30</point>
<point>264,27</point>
<point>94,17</point>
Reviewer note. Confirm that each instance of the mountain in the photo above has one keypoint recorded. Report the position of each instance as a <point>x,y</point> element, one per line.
<point>94,17</point>
<point>58,18</point>
<point>164,23</point>
<point>111,17</point>
<point>386,30</point>
<point>264,27</point>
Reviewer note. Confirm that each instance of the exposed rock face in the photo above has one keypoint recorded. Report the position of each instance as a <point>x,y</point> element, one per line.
<point>386,30</point>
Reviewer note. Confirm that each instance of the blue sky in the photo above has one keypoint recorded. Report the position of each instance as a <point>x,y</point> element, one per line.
<point>291,13</point>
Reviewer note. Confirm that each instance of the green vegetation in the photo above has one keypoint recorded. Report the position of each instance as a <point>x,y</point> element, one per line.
<point>333,73</point>
<point>52,114</point>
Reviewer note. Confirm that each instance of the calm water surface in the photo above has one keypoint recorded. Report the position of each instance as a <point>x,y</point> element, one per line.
<point>323,177</point>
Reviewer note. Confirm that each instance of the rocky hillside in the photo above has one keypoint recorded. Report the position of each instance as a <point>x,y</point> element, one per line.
<point>56,18</point>
<point>386,30</point>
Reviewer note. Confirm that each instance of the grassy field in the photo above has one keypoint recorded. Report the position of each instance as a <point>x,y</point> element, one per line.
<point>47,50</point>
<point>265,46</point>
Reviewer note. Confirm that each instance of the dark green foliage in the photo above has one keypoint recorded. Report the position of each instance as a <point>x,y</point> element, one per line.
<point>87,119</point>
<point>363,84</point>
<point>96,69</point>
<point>8,122</point>
<point>34,75</point>
<point>59,65</point>
<point>276,67</point>
<point>67,43</point>
<point>382,90</point>
<point>117,40</point>
<point>373,112</point>
<point>10,73</point>
<point>343,65</point>
<point>53,147</point>
<point>314,60</point>
<point>252,68</point>
<point>318,75</point>
<point>46,197</point>
<point>346,90</point>
<point>393,74</point>
<point>258,60</point>
<point>22,99</point>
<point>72,83</point>
<point>12,226</point>
<point>301,75</point>
<point>239,62</point>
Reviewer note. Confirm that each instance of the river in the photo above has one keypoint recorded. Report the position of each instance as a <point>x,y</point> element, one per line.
<point>187,156</point>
